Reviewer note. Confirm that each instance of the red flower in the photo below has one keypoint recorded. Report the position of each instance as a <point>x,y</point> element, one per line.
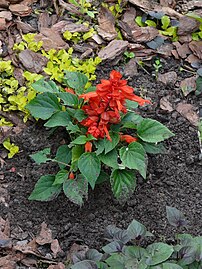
<point>88,146</point>
<point>71,175</point>
<point>128,138</point>
<point>105,104</point>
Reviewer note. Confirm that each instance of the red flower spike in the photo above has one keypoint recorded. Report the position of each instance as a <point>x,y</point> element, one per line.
<point>105,104</point>
<point>88,146</point>
<point>128,138</point>
<point>71,175</point>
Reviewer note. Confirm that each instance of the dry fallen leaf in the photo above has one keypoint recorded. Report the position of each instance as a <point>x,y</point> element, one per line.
<point>7,262</point>
<point>55,247</point>
<point>45,236</point>
<point>168,3</point>
<point>20,10</point>
<point>3,24</point>
<point>188,112</point>
<point>32,61</point>
<point>113,49</point>
<point>196,48</point>
<point>6,14</point>
<point>106,28</point>
<point>188,85</point>
<point>165,104</point>
<point>167,78</point>
<point>187,25</point>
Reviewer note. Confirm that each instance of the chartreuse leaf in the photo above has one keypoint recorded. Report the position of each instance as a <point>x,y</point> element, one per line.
<point>44,189</point>
<point>41,156</point>
<point>158,253</point>
<point>89,166</point>
<point>153,131</point>
<point>43,86</point>
<point>44,105</point>
<point>60,118</point>
<point>63,156</point>
<point>109,145</point>
<point>123,182</point>
<point>61,176</point>
<point>110,159</point>
<point>11,147</point>
<point>165,20</point>
<point>76,189</point>
<point>133,157</point>
<point>76,81</point>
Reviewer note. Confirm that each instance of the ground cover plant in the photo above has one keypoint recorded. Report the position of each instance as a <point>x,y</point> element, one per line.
<point>98,121</point>
<point>125,250</point>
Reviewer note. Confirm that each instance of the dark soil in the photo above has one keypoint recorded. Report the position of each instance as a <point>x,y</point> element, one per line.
<point>173,179</point>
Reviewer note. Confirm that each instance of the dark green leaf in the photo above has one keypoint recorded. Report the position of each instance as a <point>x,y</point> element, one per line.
<point>133,157</point>
<point>153,131</point>
<point>80,140</point>
<point>153,148</point>
<point>61,176</point>
<point>89,166</point>
<point>123,183</point>
<point>44,189</point>
<point>79,115</point>
<point>110,159</point>
<point>41,156</point>
<point>135,252</point>
<point>77,150</point>
<point>131,117</point>
<point>68,98</point>
<point>72,128</point>
<point>109,145</point>
<point>44,105</point>
<point>63,155</point>
<point>90,89</point>
<point>60,118</point>
<point>131,104</point>
<point>102,177</point>
<point>175,217</point>
<point>100,145</point>
<point>43,86</point>
<point>76,81</point>
<point>158,253</point>
<point>168,265</point>
<point>76,189</point>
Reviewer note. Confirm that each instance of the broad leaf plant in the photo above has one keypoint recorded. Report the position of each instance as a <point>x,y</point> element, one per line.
<point>108,140</point>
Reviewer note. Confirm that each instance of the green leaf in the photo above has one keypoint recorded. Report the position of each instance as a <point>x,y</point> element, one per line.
<point>168,265</point>
<point>136,230</point>
<point>68,98</point>
<point>111,145</point>
<point>153,148</point>
<point>153,131</point>
<point>131,104</point>
<point>60,118</point>
<point>76,189</point>
<point>43,86</point>
<point>198,85</point>
<point>63,155</point>
<point>135,252</point>
<point>76,81</point>
<point>44,105</point>
<point>133,157</point>
<point>61,176</point>
<point>102,177</point>
<point>89,166</point>
<point>165,20</point>
<point>139,21</point>
<point>110,159</point>
<point>150,23</point>
<point>131,117</point>
<point>100,145</point>
<point>116,261</point>
<point>79,115</point>
<point>41,156</point>
<point>175,217</point>
<point>123,182</point>
<point>77,150</point>
<point>80,140</point>
<point>44,189</point>
<point>72,128</point>
<point>158,253</point>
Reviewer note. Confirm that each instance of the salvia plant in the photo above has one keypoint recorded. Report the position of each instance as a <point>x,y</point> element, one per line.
<point>125,251</point>
<point>108,140</point>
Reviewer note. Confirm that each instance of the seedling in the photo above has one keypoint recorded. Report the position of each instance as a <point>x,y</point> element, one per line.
<point>157,65</point>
